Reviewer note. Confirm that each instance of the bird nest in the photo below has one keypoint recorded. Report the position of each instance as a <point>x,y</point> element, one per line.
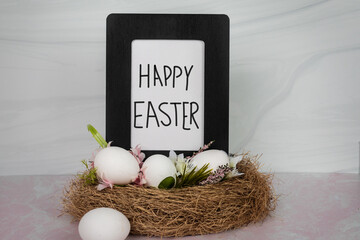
<point>198,210</point>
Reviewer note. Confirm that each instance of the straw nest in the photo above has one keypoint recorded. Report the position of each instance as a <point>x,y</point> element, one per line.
<point>230,204</point>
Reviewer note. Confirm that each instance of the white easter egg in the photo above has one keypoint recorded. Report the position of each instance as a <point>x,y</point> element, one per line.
<point>215,158</point>
<point>117,165</point>
<point>104,224</point>
<point>156,168</point>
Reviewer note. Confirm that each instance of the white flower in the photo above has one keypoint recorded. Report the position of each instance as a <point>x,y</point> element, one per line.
<point>233,162</point>
<point>173,156</point>
<point>179,161</point>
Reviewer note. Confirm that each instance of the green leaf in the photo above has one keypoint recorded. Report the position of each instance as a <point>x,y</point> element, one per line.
<point>85,163</point>
<point>97,136</point>
<point>89,177</point>
<point>167,183</point>
<point>194,177</point>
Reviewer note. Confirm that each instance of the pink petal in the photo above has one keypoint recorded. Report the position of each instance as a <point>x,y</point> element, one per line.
<point>143,181</point>
<point>104,183</point>
<point>142,156</point>
<point>101,186</point>
<point>140,180</point>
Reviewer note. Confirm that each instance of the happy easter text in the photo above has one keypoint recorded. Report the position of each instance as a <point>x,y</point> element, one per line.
<point>167,113</point>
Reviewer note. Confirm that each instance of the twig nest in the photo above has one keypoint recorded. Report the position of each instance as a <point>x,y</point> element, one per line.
<point>156,168</point>
<point>211,208</point>
<point>116,165</point>
<point>215,159</point>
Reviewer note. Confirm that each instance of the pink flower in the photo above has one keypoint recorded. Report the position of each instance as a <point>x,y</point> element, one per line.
<point>218,175</point>
<point>140,180</point>
<point>104,183</point>
<point>203,148</point>
<point>136,152</point>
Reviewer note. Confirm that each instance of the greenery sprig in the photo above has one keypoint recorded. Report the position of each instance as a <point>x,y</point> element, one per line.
<point>89,175</point>
<point>193,177</point>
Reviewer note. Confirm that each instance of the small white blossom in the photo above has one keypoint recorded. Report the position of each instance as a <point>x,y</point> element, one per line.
<point>180,162</point>
<point>233,162</point>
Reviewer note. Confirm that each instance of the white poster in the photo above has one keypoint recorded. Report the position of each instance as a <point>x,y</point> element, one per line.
<point>167,94</point>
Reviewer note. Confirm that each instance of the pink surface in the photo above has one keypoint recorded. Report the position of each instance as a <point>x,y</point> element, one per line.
<point>311,206</point>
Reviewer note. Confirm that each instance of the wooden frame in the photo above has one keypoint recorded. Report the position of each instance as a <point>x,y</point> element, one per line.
<point>122,29</point>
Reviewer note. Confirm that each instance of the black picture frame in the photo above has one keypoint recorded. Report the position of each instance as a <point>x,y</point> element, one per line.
<point>122,29</point>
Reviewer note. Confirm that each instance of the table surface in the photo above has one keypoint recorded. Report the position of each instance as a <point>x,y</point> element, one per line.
<point>311,206</point>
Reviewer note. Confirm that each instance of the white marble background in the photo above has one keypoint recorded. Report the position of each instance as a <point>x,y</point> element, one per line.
<point>295,80</point>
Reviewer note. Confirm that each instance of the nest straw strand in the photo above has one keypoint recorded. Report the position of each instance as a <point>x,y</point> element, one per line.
<point>197,210</point>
